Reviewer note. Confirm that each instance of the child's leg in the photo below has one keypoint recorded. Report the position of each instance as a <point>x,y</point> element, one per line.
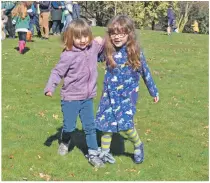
<point>106,140</point>
<point>70,110</point>
<point>138,145</point>
<point>133,137</point>
<point>87,118</point>
<point>88,124</point>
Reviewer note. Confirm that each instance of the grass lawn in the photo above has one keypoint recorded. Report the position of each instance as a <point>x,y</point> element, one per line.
<point>174,131</point>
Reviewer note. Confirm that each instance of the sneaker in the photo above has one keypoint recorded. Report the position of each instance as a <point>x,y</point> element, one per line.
<point>94,159</point>
<point>105,156</point>
<point>139,155</point>
<point>63,149</point>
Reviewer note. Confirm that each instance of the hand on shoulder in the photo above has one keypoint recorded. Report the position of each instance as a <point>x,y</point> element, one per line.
<point>99,39</point>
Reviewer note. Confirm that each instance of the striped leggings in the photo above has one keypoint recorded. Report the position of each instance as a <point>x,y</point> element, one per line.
<point>107,138</point>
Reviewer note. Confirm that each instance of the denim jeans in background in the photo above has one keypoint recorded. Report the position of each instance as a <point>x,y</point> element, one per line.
<point>76,11</point>
<point>83,108</point>
<point>68,19</point>
<point>35,22</point>
<point>56,26</point>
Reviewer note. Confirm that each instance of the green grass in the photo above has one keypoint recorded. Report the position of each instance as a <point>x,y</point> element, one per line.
<point>175,131</point>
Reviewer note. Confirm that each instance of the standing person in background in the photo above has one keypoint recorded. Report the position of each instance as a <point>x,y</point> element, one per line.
<point>195,27</point>
<point>44,7</point>
<point>34,19</point>
<point>21,20</point>
<point>56,16</point>
<point>4,20</point>
<point>76,10</point>
<point>8,6</point>
<point>67,14</point>
<point>171,19</point>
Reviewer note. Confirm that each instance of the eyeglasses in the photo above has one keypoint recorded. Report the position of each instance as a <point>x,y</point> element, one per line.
<point>121,35</point>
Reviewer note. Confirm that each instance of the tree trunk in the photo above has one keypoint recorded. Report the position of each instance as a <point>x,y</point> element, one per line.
<point>153,25</point>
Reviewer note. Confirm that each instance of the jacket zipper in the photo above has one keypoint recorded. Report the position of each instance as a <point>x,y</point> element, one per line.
<point>88,76</point>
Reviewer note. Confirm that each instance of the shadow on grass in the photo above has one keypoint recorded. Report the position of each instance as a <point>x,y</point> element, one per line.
<point>24,51</point>
<point>78,140</point>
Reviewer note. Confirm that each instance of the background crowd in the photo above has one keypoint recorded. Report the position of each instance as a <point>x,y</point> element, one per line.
<point>52,17</point>
<point>48,17</point>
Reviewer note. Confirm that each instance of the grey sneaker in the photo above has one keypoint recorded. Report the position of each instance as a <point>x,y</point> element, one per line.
<point>63,149</point>
<point>94,159</point>
<point>105,156</point>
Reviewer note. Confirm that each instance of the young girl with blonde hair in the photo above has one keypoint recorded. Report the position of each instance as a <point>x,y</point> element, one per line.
<point>125,64</point>
<point>21,20</point>
<point>78,67</point>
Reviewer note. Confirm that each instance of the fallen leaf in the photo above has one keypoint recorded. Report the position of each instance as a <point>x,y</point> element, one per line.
<point>148,140</point>
<point>148,131</point>
<point>11,157</point>
<point>55,116</point>
<point>45,176</point>
<point>206,127</point>
<point>130,170</point>
<point>72,174</point>
<point>41,113</point>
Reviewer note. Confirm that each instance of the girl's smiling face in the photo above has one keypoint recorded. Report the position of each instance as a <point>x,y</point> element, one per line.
<point>81,42</point>
<point>118,39</point>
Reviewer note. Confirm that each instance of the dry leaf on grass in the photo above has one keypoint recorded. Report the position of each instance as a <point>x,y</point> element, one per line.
<point>206,127</point>
<point>71,174</point>
<point>130,170</point>
<point>55,116</point>
<point>41,113</point>
<point>45,176</point>
<point>11,156</point>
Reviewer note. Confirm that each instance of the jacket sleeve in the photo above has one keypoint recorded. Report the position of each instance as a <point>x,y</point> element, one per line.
<point>14,20</point>
<point>99,47</point>
<point>58,73</point>
<point>147,77</point>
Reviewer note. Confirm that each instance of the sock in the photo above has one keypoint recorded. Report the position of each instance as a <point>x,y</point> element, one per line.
<point>106,141</point>
<point>65,137</point>
<point>134,137</point>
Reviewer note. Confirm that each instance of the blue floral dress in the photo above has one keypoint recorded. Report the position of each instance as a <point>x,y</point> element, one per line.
<point>120,93</point>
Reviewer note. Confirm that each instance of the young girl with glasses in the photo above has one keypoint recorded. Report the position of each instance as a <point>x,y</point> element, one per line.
<point>125,64</point>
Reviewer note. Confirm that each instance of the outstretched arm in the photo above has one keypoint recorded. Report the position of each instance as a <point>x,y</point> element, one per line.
<point>57,74</point>
<point>148,80</point>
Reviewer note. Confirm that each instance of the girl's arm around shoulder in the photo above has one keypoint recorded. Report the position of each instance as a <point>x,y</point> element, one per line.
<point>147,77</point>
<point>58,72</point>
<point>99,43</point>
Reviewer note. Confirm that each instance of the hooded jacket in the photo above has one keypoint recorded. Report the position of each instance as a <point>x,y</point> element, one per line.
<point>78,68</point>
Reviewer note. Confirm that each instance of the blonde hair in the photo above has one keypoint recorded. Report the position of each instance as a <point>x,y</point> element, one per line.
<point>20,10</point>
<point>122,24</point>
<point>76,29</point>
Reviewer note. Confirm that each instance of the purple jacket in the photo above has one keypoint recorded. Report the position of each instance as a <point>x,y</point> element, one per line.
<point>79,70</point>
